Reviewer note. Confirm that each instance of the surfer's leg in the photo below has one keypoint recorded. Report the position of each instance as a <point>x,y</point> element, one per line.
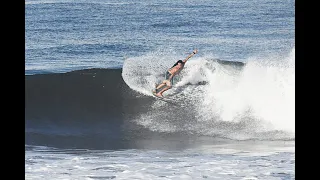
<point>161,85</point>
<point>164,89</point>
<point>165,82</point>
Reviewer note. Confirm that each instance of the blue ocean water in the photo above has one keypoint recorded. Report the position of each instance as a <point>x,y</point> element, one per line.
<point>65,35</point>
<point>68,35</point>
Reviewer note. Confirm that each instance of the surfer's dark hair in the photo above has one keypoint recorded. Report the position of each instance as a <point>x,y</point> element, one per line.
<point>180,61</point>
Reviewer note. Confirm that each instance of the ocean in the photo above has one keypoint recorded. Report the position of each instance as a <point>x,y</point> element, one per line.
<point>90,67</point>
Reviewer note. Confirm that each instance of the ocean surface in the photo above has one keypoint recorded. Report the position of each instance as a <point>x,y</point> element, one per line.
<point>90,67</point>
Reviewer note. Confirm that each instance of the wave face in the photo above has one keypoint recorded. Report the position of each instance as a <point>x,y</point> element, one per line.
<point>86,107</point>
<point>216,98</point>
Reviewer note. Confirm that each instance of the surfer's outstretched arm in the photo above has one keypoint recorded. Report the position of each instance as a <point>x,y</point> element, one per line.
<point>193,53</point>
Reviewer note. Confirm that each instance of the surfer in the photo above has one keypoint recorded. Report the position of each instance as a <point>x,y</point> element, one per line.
<point>174,70</point>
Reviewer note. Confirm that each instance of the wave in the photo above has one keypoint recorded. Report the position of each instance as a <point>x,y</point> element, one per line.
<point>115,107</point>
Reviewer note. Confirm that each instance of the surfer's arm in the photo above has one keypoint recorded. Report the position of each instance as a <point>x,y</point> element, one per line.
<point>193,53</point>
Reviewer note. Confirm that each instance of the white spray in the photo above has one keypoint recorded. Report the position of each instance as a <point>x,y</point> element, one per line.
<point>264,90</point>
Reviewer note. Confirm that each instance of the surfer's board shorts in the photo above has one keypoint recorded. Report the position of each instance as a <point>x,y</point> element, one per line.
<point>167,76</point>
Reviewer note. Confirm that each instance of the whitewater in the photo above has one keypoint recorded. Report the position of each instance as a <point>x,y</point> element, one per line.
<point>253,101</point>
